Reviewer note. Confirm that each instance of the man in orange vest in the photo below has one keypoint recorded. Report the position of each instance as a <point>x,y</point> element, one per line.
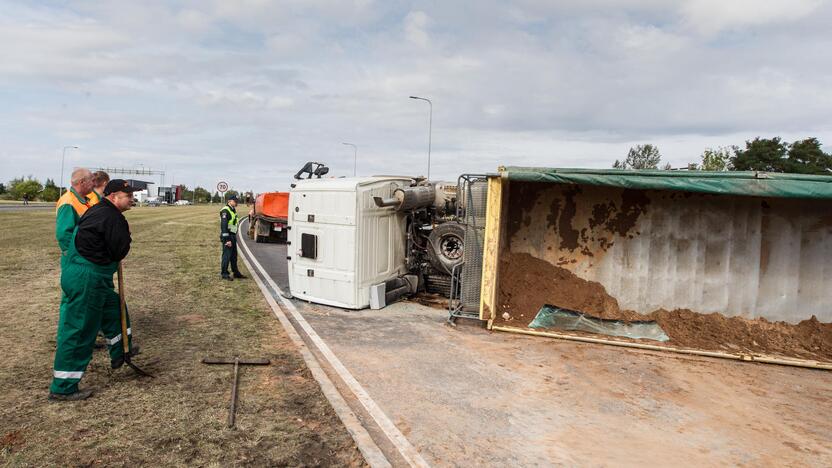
<point>71,206</point>
<point>99,180</point>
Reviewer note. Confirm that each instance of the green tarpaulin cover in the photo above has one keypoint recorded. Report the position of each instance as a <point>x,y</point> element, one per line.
<point>754,184</point>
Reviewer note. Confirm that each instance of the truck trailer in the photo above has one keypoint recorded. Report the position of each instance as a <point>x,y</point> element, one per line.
<point>269,220</point>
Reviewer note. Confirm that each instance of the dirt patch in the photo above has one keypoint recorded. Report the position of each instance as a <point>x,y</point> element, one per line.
<point>633,204</point>
<point>436,301</point>
<point>191,318</point>
<point>527,283</point>
<point>11,441</point>
<point>584,222</point>
<point>525,195</point>
<point>620,220</point>
<point>808,339</point>
<point>568,234</point>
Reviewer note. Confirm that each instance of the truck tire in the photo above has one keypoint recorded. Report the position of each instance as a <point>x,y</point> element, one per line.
<point>446,246</point>
<point>257,237</point>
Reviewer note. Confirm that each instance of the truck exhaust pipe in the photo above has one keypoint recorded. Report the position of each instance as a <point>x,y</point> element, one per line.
<point>409,198</point>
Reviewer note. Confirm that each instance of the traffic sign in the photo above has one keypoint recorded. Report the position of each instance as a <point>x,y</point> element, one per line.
<point>222,187</point>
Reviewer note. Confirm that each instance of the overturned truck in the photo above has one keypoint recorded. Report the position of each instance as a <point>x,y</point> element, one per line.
<point>361,242</point>
<point>733,262</point>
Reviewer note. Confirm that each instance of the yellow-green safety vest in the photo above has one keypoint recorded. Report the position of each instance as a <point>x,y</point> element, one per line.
<point>232,220</point>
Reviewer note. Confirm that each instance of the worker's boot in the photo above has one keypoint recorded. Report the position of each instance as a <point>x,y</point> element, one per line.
<point>119,361</point>
<point>240,276</point>
<point>77,396</point>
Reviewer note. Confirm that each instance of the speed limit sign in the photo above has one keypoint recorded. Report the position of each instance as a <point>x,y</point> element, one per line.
<point>222,187</point>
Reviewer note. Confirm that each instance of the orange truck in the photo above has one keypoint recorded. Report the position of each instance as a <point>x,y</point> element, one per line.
<point>269,220</point>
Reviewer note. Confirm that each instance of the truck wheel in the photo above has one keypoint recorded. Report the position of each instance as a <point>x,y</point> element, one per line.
<point>446,246</point>
<point>257,237</point>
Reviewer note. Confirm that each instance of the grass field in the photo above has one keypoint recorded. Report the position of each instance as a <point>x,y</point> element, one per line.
<point>181,313</point>
<point>20,202</point>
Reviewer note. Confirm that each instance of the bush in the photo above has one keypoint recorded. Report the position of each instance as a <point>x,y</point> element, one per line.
<point>29,187</point>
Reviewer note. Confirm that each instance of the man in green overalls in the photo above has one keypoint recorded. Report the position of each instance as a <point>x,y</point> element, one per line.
<point>228,237</point>
<point>71,206</point>
<point>100,241</point>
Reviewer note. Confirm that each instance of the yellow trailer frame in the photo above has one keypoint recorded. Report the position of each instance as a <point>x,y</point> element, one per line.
<point>494,218</point>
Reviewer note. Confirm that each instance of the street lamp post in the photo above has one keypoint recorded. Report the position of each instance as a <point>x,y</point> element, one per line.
<point>355,157</point>
<point>430,126</point>
<point>61,191</point>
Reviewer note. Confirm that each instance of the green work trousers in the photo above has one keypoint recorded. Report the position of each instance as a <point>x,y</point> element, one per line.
<point>90,304</point>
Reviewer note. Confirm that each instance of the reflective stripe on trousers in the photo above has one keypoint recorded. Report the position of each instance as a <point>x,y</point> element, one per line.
<point>117,338</point>
<point>68,374</point>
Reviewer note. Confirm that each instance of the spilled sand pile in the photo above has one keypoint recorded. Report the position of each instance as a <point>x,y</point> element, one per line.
<point>527,283</point>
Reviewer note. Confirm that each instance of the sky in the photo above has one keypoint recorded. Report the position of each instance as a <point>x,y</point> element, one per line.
<point>247,91</point>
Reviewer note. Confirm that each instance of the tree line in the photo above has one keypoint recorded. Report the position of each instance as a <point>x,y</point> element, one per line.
<point>32,189</point>
<point>760,154</point>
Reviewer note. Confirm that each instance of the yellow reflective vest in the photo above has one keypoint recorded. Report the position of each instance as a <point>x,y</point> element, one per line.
<point>232,219</point>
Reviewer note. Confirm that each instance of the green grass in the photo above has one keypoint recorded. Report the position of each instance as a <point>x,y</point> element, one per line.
<point>181,313</point>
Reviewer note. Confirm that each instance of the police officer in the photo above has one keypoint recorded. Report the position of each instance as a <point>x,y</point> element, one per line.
<point>228,237</point>
<point>98,244</point>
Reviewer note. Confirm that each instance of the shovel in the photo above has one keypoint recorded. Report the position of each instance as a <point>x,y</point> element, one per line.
<point>125,339</point>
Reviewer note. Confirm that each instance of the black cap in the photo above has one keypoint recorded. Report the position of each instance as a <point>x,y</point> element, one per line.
<point>232,197</point>
<point>119,185</point>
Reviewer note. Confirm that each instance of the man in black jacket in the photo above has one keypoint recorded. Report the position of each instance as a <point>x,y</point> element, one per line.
<point>228,237</point>
<point>99,243</point>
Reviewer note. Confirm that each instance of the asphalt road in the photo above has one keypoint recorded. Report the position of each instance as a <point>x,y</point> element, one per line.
<point>466,397</point>
<point>271,256</point>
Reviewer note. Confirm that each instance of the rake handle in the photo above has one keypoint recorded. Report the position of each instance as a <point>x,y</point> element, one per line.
<point>233,409</point>
<point>124,338</point>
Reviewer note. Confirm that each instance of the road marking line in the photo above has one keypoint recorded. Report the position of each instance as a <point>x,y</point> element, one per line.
<point>366,445</point>
<point>408,452</point>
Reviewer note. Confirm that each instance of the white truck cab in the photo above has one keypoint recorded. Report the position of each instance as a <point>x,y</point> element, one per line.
<point>340,242</point>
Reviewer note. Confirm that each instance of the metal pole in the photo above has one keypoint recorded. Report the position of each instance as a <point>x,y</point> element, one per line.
<point>430,126</point>
<point>355,158</point>
<point>61,190</point>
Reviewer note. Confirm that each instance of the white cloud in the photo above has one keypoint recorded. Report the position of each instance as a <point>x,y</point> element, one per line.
<point>59,49</point>
<point>415,28</point>
<point>712,16</point>
<point>285,43</point>
<point>648,39</point>
<point>188,85</point>
<point>194,21</point>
